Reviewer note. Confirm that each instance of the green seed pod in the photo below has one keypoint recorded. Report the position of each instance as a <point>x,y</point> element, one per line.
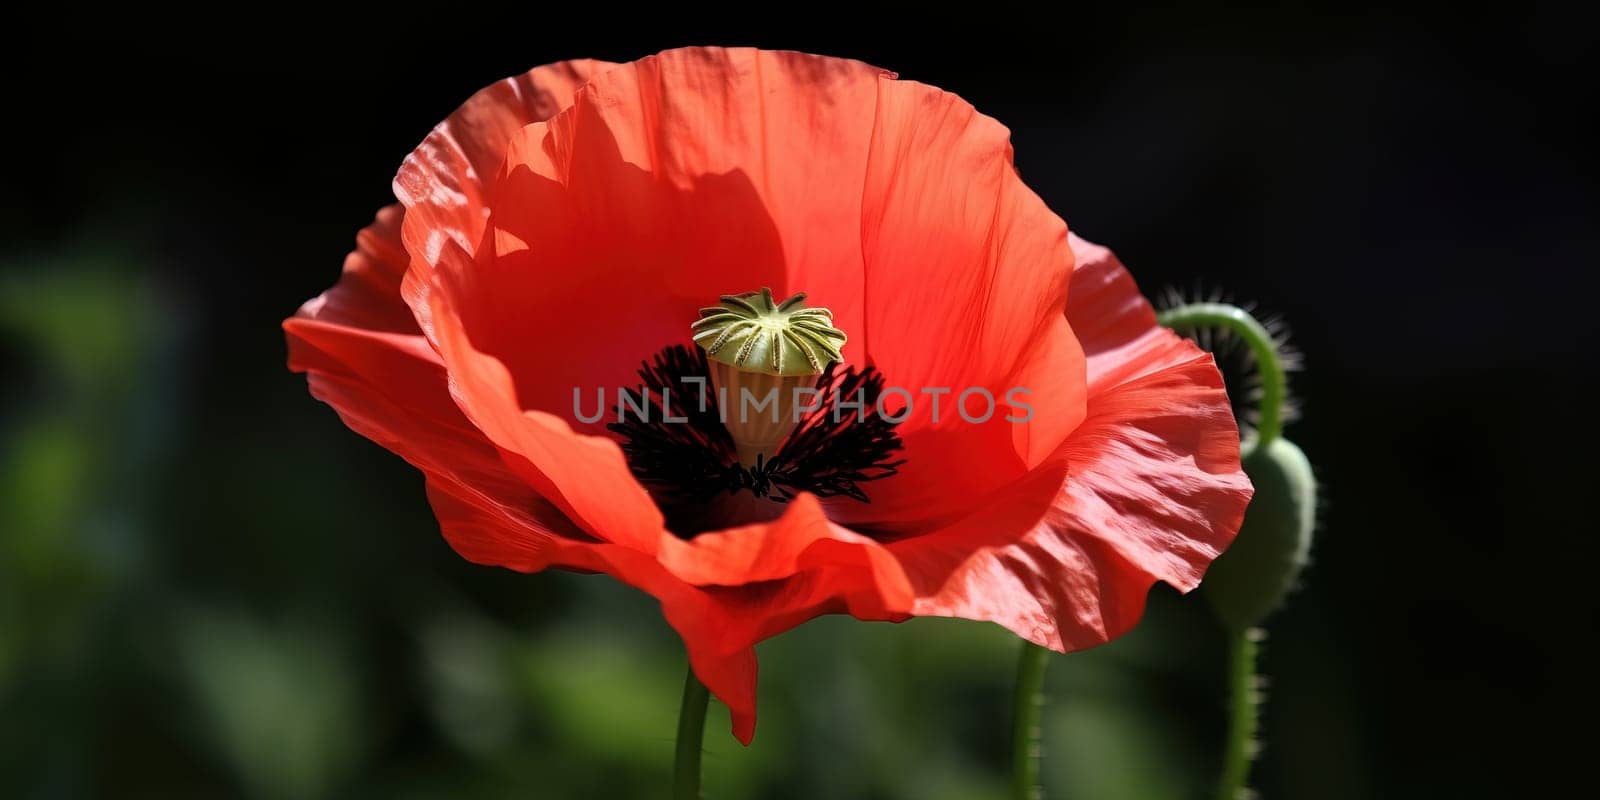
<point>756,334</point>
<point>1251,579</point>
<point>758,349</point>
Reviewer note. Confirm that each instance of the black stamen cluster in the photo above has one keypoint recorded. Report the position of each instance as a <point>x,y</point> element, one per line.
<point>690,460</point>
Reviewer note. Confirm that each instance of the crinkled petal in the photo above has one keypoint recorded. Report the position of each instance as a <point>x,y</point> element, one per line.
<point>443,182</point>
<point>1147,488</point>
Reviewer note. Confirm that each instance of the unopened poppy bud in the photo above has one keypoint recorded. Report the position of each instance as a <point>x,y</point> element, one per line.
<point>1251,579</point>
<point>762,353</point>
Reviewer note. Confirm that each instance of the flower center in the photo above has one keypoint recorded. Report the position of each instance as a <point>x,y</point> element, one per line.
<point>765,354</point>
<point>763,408</point>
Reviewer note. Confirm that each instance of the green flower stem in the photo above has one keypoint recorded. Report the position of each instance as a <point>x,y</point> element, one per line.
<point>691,732</point>
<point>1268,362</point>
<point>1026,735</point>
<point>1243,714</point>
<point>1243,685</point>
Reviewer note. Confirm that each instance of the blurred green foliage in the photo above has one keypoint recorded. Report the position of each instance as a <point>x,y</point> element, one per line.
<point>281,706</point>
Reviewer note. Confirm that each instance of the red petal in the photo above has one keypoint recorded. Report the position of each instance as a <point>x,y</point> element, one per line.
<point>442,181</point>
<point>719,625</point>
<point>966,281</point>
<point>1113,321</point>
<point>1152,488</point>
<point>800,540</point>
<point>390,386</point>
<point>670,181</point>
<point>367,296</point>
<point>584,476</point>
<point>363,348</point>
<point>795,128</point>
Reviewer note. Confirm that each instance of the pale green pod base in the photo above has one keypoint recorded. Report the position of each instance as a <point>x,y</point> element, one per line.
<point>758,429</point>
<point>1251,579</point>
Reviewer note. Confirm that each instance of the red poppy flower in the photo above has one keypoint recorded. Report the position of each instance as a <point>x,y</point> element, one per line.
<point>565,225</point>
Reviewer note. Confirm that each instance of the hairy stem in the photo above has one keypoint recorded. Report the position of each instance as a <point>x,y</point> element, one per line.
<point>1262,346</point>
<point>1243,715</point>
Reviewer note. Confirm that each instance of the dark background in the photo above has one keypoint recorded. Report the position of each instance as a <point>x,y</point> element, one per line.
<point>208,587</point>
